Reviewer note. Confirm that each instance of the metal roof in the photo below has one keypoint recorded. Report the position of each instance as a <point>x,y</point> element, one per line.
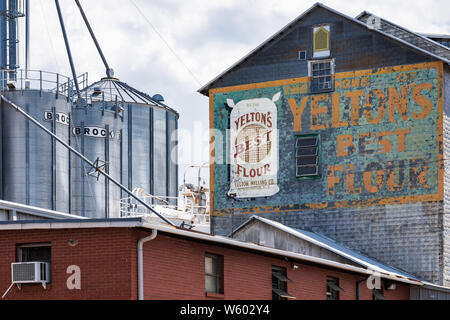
<point>204,89</point>
<point>112,89</point>
<point>35,211</point>
<point>414,38</point>
<point>195,235</point>
<point>435,35</point>
<point>333,246</point>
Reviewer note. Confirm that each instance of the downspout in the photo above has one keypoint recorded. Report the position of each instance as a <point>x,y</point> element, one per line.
<point>358,289</point>
<point>140,263</point>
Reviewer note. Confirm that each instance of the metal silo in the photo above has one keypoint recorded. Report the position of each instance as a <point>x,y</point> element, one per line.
<point>148,138</point>
<point>35,166</point>
<point>96,134</point>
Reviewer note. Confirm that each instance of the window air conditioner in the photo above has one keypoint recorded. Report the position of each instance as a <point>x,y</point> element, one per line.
<point>30,272</point>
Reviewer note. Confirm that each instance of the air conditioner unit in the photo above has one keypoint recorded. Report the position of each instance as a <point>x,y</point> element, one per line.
<point>30,272</point>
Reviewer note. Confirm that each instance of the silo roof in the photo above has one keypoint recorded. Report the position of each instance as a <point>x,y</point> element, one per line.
<point>112,89</point>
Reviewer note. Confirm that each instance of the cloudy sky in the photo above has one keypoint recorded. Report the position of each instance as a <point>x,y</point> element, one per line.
<point>173,47</point>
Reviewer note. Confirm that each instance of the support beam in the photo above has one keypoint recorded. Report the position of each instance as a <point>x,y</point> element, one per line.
<point>66,41</point>
<point>109,72</point>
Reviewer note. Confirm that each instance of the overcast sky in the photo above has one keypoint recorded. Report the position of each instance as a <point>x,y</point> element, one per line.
<point>181,45</point>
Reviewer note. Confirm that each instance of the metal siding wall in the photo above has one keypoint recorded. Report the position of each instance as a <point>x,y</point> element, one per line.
<point>89,197</point>
<point>160,156</point>
<point>28,169</point>
<point>124,151</point>
<point>141,175</point>
<point>172,155</point>
<point>145,146</point>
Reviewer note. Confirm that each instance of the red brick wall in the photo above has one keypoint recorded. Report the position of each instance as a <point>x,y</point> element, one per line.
<point>173,268</point>
<point>103,255</point>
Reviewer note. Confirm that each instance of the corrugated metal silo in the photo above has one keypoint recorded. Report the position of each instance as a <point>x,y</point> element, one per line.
<point>148,138</point>
<point>35,166</point>
<point>96,134</point>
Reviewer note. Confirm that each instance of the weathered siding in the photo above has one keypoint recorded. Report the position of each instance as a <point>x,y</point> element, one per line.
<point>353,46</point>
<point>402,227</point>
<point>446,217</point>
<point>269,236</point>
<point>406,236</point>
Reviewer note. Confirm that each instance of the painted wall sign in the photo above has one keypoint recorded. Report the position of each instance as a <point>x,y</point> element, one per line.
<point>61,117</point>
<point>91,131</point>
<point>254,147</point>
<point>380,131</point>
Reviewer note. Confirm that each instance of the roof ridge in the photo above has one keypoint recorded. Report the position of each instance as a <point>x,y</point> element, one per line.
<point>421,36</point>
<point>352,254</point>
<point>205,88</point>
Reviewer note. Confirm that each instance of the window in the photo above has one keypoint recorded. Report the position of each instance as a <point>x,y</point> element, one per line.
<point>321,73</point>
<point>38,252</point>
<point>302,55</point>
<point>35,252</point>
<point>213,273</point>
<point>279,284</point>
<point>321,41</point>
<point>307,156</point>
<point>333,288</point>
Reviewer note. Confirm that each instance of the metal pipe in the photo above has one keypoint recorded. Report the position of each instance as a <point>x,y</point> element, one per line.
<point>66,41</point>
<point>85,159</point>
<point>94,38</point>
<point>358,289</point>
<point>12,37</point>
<point>140,262</point>
<point>3,38</point>
<point>27,37</point>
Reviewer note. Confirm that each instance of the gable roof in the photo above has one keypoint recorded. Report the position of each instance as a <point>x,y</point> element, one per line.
<point>409,36</point>
<point>142,223</point>
<point>205,89</point>
<point>331,245</point>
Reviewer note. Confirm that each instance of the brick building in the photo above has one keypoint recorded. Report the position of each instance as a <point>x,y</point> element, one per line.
<point>100,258</point>
<point>339,125</point>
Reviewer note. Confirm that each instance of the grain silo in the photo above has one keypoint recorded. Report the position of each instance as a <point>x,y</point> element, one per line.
<point>148,145</point>
<point>35,167</point>
<point>96,134</point>
<point>75,148</point>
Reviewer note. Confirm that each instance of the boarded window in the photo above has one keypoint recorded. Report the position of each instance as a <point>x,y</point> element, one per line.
<point>321,41</point>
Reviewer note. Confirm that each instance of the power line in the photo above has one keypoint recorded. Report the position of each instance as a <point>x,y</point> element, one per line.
<point>166,43</point>
<point>55,58</point>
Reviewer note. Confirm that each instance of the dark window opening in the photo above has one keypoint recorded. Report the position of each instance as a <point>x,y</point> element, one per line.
<point>213,273</point>
<point>279,284</point>
<point>40,252</point>
<point>321,76</point>
<point>302,55</point>
<point>333,288</point>
<point>35,252</point>
<point>307,156</point>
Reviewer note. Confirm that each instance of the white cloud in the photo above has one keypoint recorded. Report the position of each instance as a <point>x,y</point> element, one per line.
<point>208,36</point>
